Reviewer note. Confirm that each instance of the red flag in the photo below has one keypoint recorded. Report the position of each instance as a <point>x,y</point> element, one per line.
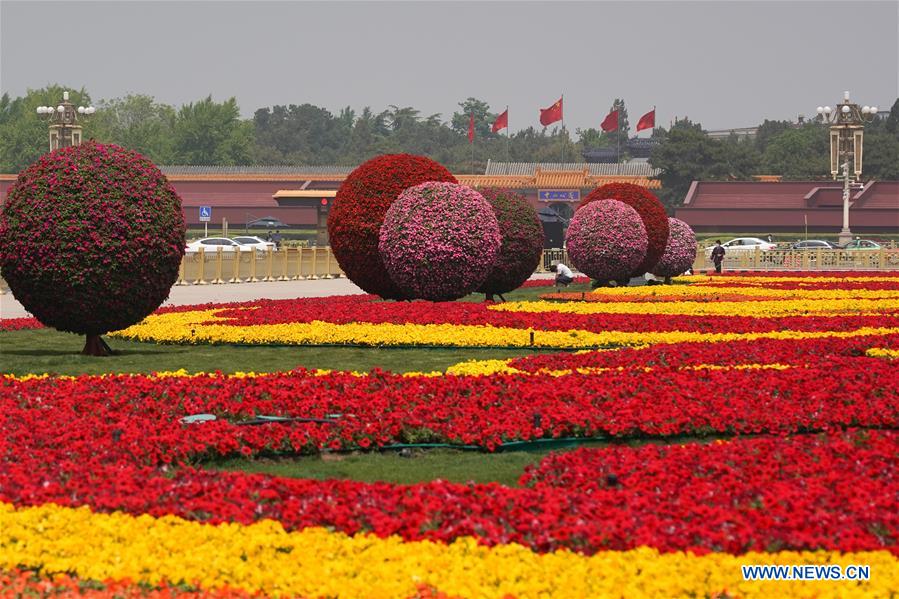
<point>550,115</point>
<point>501,122</point>
<point>471,128</point>
<point>611,122</point>
<point>647,121</point>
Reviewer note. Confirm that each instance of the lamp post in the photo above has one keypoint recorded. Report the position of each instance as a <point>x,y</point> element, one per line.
<point>847,124</point>
<point>65,129</point>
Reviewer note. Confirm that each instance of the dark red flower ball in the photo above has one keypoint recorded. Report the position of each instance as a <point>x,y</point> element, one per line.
<point>354,223</point>
<point>650,209</point>
<point>522,245</point>
<point>91,238</point>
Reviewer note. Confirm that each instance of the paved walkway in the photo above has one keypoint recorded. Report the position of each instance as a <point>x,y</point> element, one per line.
<point>200,294</point>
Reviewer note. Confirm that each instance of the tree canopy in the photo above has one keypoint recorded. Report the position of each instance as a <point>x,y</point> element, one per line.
<point>211,132</point>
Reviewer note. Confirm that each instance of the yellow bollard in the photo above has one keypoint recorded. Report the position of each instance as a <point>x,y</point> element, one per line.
<point>235,268</point>
<point>181,270</point>
<point>328,263</point>
<point>219,251</point>
<point>312,275</point>
<point>253,278</point>
<point>284,253</point>
<point>201,258</point>
<point>269,259</point>
<point>299,276</point>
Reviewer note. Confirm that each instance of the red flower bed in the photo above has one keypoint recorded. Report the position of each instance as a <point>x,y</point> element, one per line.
<point>19,324</point>
<point>354,223</point>
<point>356,308</point>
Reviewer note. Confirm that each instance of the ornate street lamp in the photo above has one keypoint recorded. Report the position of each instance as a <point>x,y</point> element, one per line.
<point>847,124</point>
<point>65,129</point>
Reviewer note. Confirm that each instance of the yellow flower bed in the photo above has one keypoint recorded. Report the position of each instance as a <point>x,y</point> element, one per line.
<point>759,309</point>
<point>699,290</point>
<point>880,352</point>
<point>316,562</point>
<point>188,327</point>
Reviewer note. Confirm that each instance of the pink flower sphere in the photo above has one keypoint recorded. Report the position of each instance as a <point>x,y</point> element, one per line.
<point>606,240</point>
<point>680,251</point>
<point>439,241</point>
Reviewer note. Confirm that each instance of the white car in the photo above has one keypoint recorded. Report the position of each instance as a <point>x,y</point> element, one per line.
<point>254,242</point>
<point>743,244</point>
<point>211,245</point>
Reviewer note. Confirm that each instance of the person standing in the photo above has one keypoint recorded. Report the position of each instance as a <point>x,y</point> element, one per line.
<point>718,255</point>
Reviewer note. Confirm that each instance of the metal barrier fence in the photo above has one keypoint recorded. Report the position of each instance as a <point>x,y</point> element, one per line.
<point>286,264</point>
<point>817,259</point>
<point>295,264</point>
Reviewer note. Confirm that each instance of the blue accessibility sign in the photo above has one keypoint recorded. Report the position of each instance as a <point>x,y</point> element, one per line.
<point>565,195</point>
<point>205,213</point>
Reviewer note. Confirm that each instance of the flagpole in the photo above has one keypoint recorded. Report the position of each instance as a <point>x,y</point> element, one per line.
<point>562,100</point>
<point>508,139</point>
<point>618,137</point>
<point>472,145</point>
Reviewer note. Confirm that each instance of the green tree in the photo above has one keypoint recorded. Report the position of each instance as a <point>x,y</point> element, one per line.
<point>23,134</point>
<point>768,131</point>
<point>211,133</point>
<point>139,123</point>
<point>799,153</point>
<point>686,155</point>
<point>483,118</point>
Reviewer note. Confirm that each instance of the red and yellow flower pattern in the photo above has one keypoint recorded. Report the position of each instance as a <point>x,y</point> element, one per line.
<point>102,490</point>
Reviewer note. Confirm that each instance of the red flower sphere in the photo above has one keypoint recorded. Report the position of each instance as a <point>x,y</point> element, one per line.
<point>354,223</point>
<point>522,245</point>
<point>91,238</point>
<point>650,210</point>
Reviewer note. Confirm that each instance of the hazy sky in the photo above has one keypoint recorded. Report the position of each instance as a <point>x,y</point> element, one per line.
<point>726,64</point>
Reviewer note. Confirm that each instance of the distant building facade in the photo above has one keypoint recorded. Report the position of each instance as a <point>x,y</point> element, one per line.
<point>769,207</point>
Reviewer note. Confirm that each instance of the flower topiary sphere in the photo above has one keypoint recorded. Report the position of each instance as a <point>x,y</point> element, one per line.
<point>354,222</point>
<point>91,238</point>
<point>439,241</point>
<point>650,210</point>
<point>680,251</point>
<point>606,240</point>
<point>522,240</point>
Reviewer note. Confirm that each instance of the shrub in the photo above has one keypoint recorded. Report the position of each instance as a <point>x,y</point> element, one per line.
<point>522,240</point>
<point>606,240</point>
<point>439,241</point>
<point>650,209</point>
<point>91,238</point>
<point>680,251</point>
<point>358,212</point>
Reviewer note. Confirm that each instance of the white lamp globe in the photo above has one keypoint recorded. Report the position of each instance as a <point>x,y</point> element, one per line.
<point>60,108</point>
<point>873,110</point>
<point>827,110</point>
<point>91,110</point>
<point>81,110</point>
<point>845,110</point>
<point>820,110</point>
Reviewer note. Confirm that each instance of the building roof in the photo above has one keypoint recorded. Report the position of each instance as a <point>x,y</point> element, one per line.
<point>762,205</point>
<point>629,169</point>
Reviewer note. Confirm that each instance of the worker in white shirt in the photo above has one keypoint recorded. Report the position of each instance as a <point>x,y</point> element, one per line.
<point>564,276</point>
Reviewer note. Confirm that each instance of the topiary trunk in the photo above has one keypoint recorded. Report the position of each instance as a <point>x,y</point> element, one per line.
<point>94,345</point>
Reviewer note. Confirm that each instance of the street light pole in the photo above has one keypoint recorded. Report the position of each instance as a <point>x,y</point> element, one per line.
<point>847,125</point>
<point>65,129</point>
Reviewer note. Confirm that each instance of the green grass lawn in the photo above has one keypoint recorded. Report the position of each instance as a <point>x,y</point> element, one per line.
<point>46,350</point>
<point>413,465</point>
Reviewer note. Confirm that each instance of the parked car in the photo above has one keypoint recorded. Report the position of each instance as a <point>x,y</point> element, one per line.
<point>862,244</point>
<point>210,245</point>
<point>814,244</point>
<point>254,242</point>
<point>744,244</point>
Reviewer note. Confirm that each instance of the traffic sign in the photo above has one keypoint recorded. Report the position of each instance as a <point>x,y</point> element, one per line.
<point>205,214</point>
<point>563,195</point>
